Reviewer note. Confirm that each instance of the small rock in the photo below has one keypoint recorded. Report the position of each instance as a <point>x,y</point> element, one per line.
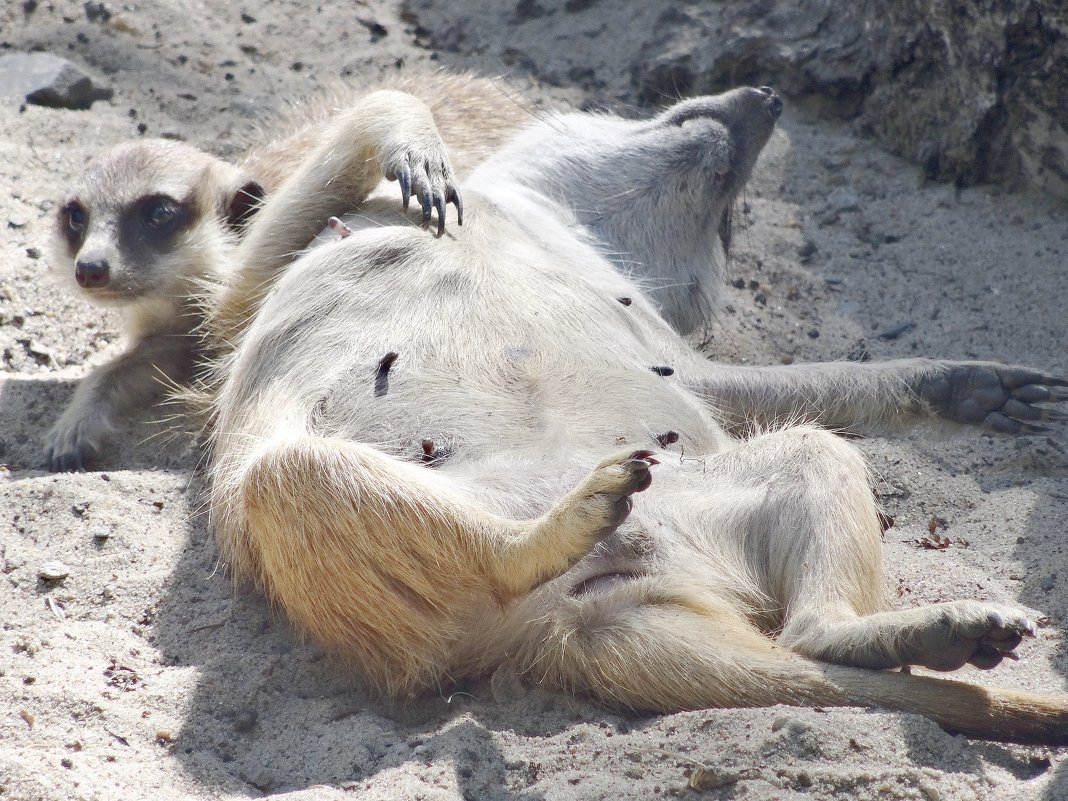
<point>53,571</point>
<point>807,250</point>
<point>1049,582</point>
<point>100,533</point>
<point>894,331</point>
<point>46,80</point>
<point>33,253</point>
<point>779,722</point>
<point>843,199</point>
<point>97,12</point>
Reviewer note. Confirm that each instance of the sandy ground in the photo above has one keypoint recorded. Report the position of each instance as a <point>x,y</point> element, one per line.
<point>143,675</point>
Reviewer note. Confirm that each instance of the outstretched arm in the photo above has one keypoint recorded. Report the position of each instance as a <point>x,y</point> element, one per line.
<point>856,396</point>
<point>386,134</point>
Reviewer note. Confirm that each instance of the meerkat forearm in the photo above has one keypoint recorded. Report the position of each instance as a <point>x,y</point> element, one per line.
<point>855,396</point>
<point>386,134</point>
<point>115,392</point>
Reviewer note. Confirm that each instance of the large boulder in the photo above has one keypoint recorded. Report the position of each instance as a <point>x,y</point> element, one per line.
<point>972,90</point>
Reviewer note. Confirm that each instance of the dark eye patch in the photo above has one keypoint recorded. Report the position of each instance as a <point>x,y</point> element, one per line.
<point>149,226</point>
<point>72,221</point>
<point>161,216</point>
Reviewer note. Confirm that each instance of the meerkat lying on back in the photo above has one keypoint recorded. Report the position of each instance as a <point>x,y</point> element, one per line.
<point>425,449</point>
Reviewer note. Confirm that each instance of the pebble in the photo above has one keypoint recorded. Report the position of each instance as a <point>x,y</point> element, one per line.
<point>894,331</point>
<point>843,199</point>
<point>100,532</point>
<point>43,79</point>
<point>1049,582</point>
<point>53,571</point>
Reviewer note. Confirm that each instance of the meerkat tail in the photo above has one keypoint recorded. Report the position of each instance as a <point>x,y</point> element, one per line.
<point>677,653</point>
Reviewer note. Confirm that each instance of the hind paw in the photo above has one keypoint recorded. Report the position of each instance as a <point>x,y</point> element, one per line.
<point>604,501</point>
<point>968,632</point>
<point>600,504</point>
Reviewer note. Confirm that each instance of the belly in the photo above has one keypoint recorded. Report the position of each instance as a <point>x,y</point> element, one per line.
<point>453,348</point>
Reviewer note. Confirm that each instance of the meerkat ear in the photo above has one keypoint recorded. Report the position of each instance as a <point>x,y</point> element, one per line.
<point>244,204</point>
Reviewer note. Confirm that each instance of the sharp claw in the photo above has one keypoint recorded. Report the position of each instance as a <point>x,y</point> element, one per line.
<point>404,177</point>
<point>1028,428</point>
<point>426,203</point>
<point>998,422</point>
<point>439,204</point>
<point>452,196</point>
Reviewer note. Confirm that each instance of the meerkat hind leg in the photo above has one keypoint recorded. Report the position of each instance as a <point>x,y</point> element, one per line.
<point>820,537</point>
<point>383,559</point>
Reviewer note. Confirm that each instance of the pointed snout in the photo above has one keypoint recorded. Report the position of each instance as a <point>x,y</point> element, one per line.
<point>771,100</point>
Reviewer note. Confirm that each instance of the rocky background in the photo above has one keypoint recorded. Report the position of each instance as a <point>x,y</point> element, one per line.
<point>912,203</point>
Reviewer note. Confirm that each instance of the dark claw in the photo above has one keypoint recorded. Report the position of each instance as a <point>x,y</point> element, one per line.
<point>439,204</point>
<point>1032,393</point>
<point>452,196</point>
<point>426,202</point>
<point>404,177</point>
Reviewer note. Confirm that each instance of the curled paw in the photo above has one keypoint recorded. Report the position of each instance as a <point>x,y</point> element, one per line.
<point>602,501</point>
<point>970,632</point>
<point>1008,399</point>
<point>429,178</point>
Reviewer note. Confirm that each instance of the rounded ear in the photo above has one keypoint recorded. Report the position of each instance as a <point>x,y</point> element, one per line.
<point>244,203</point>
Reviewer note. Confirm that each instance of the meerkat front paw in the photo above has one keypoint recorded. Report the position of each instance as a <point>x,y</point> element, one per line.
<point>1001,397</point>
<point>75,441</point>
<point>425,172</point>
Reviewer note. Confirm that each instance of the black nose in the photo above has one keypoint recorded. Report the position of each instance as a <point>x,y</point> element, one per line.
<point>773,100</point>
<point>91,274</point>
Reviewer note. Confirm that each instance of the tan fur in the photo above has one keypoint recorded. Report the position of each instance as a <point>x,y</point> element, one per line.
<point>750,573</point>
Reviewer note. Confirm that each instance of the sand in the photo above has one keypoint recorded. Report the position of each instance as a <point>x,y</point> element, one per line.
<point>144,675</point>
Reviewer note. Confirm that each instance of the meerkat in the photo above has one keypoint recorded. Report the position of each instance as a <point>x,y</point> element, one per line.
<point>129,236</point>
<point>153,223</point>
<point>441,454</point>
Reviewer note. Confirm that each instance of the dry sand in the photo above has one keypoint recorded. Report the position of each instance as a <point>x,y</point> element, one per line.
<point>143,675</point>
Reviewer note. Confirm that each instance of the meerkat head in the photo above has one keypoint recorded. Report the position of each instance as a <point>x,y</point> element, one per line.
<point>748,116</point>
<point>149,217</point>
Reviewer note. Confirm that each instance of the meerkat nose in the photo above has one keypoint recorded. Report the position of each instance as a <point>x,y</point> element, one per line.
<point>91,274</point>
<point>773,100</point>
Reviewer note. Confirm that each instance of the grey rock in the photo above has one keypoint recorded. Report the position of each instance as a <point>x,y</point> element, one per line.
<point>843,199</point>
<point>46,80</point>
<point>53,571</point>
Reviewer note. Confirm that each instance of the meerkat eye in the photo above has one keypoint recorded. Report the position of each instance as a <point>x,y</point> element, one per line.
<point>76,217</point>
<point>159,212</point>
